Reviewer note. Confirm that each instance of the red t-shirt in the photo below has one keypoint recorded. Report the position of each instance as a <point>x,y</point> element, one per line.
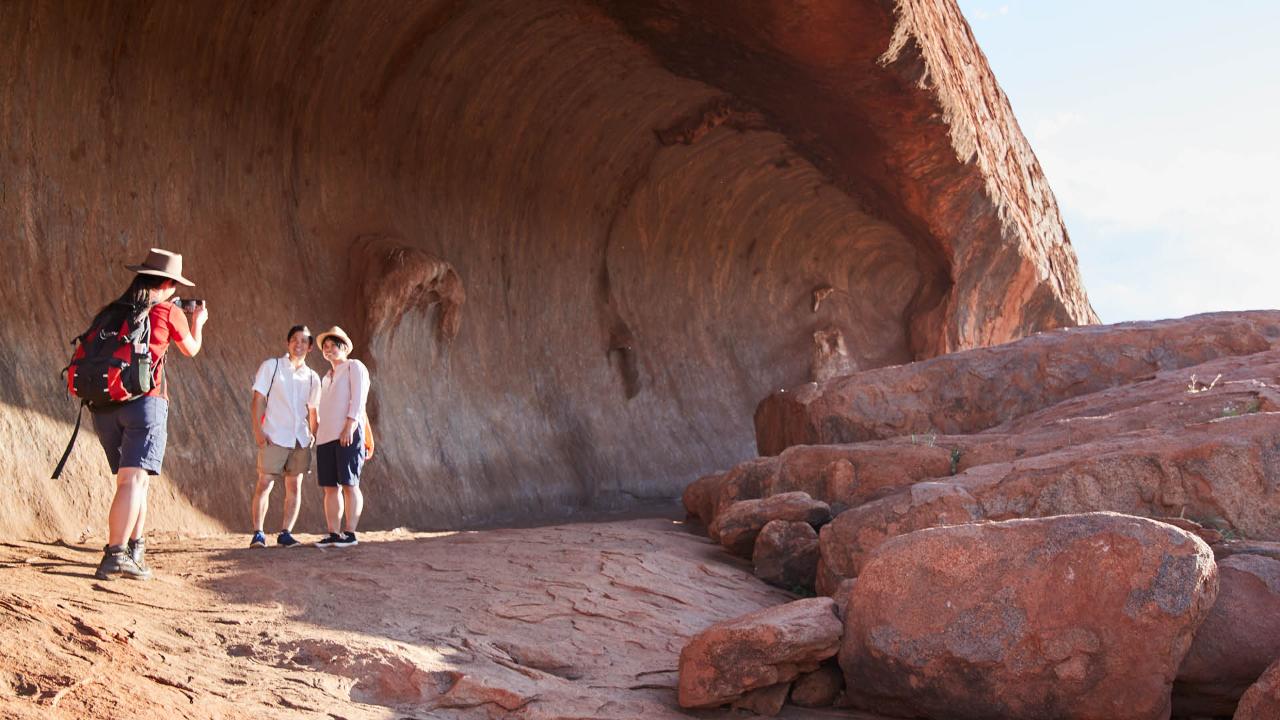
<point>168,324</point>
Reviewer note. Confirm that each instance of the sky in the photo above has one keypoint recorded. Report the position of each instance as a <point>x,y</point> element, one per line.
<point>1157,124</point>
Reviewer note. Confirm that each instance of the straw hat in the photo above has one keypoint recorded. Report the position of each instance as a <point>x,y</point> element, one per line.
<point>335,332</point>
<point>163,263</point>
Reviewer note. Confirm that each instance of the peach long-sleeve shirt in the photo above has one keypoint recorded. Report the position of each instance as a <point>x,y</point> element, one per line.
<point>344,391</point>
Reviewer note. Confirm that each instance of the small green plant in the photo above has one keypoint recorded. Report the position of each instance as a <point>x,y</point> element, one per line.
<point>1229,531</point>
<point>802,591</point>
<point>1235,410</point>
<point>955,460</point>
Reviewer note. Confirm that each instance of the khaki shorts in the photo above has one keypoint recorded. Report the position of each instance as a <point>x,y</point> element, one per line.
<point>278,460</point>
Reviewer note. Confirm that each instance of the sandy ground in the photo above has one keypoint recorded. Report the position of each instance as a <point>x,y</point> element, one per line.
<point>570,621</point>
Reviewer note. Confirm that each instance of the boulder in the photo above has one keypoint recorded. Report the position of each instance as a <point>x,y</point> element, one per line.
<point>766,701</point>
<point>1078,616</point>
<point>758,650</point>
<point>820,688</point>
<point>737,527</point>
<point>1262,700</point>
<point>1236,642</point>
<point>1227,548</point>
<point>745,481</point>
<point>786,554</point>
<point>974,390</point>
<point>699,497</point>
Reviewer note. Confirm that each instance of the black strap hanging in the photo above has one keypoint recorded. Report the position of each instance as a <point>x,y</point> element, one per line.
<point>57,472</point>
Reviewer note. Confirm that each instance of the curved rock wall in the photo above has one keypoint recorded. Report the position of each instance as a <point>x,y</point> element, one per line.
<point>575,254</point>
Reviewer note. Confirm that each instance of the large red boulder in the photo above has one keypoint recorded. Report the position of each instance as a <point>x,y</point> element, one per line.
<point>762,649</point>
<point>1262,700</point>
<point>1079,616</point>
<point>970,391</point>
<point>1236,642</point>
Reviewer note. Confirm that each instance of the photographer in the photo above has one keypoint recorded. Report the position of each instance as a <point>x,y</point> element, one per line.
<point>286,394</point>
<point>133,434</point>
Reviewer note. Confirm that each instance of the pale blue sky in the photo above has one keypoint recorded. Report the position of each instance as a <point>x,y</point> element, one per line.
<point>1158,126</point>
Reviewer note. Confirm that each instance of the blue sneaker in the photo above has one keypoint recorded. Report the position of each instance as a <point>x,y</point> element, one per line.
<point>259,540</point>
<point>286,539</point>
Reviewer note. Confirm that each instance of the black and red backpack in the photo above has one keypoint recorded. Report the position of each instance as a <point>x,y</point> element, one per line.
<point>112,360</point>
<point>111,364</point>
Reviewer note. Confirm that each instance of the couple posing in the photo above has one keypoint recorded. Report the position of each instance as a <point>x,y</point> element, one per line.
<point>292,410</point>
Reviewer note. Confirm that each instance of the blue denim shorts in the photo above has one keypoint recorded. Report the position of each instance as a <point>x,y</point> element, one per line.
<point>337,465</point>
<point>134,434</point>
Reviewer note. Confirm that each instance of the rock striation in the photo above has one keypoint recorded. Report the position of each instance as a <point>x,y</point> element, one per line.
<point>576,240</point>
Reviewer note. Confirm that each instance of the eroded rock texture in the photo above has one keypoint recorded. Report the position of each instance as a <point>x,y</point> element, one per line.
<point>1074,616</point>
<point>587,235</point>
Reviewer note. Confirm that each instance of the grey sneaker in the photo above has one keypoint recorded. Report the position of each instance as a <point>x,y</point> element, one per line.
<point>138,553</point>
<point>116,562</point>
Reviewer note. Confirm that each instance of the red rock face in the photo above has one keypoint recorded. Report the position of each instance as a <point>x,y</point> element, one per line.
<point>575,241</point>
<point>976,390</point>
<point>1078,616</point>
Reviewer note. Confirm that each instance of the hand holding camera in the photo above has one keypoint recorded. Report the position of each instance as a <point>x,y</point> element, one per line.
<point>194,307</point>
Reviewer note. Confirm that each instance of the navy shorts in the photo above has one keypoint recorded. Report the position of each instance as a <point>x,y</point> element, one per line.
<point>337,465</point>
<point>134,434</point>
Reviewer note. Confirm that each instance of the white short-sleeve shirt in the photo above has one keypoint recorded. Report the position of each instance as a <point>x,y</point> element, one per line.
<point>289,393</point>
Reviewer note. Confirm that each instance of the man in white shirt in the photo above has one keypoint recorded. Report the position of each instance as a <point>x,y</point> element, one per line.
<point>286,394</point>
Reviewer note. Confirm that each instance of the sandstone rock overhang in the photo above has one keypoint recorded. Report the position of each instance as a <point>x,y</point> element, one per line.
<point>619,225</point>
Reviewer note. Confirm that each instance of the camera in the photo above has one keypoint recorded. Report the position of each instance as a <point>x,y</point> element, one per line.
<point>189,304</point>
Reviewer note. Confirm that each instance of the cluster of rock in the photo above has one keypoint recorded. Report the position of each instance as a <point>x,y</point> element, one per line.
<point>1081,524</point>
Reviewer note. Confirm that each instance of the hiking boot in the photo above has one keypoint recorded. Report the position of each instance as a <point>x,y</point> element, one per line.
<point>286,539</point>
<point>259,540</point>
<point>330,540</point>
<point>138,553</point>
<point>347,540</point>
<point>116,561</point>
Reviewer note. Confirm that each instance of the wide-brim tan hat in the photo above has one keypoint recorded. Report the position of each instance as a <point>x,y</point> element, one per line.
<point>336,332</point>
<point>163,263</point>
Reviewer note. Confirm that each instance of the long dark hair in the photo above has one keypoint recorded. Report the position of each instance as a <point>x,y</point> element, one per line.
<point>133,303</point>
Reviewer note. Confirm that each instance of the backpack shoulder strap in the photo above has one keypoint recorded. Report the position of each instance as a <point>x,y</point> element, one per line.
<point>57,472</point>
